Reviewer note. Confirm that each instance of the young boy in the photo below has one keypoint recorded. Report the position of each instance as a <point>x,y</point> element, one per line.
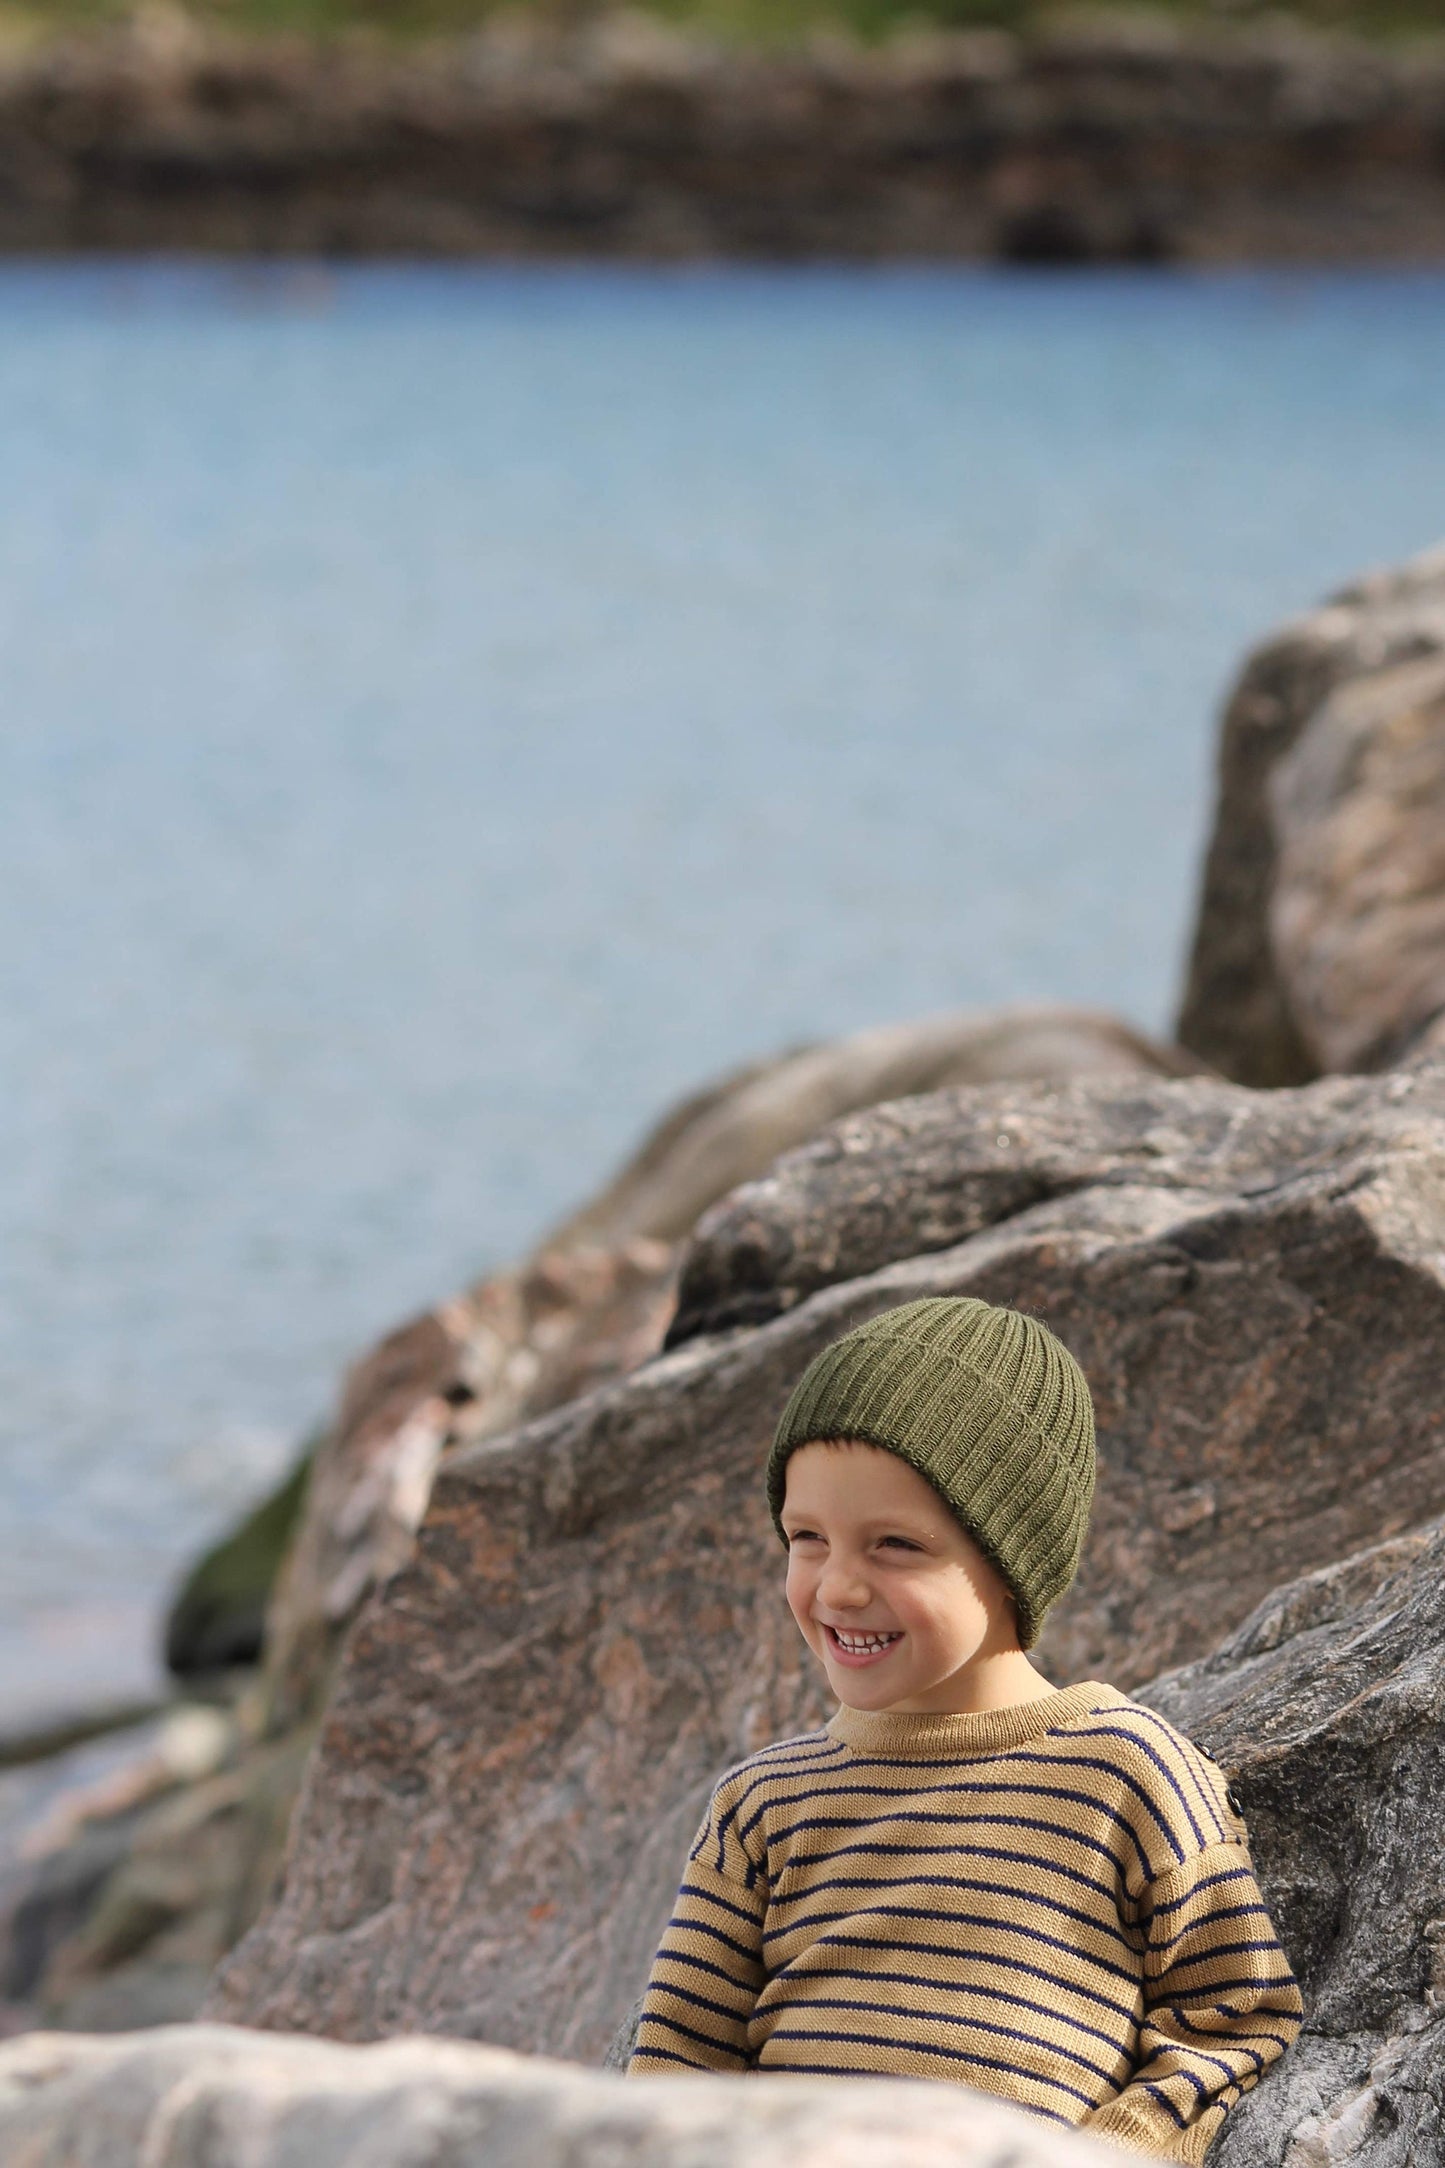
<point>967,1874</point>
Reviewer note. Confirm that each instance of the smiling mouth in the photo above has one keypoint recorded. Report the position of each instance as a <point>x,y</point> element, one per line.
<point>854,1648</point>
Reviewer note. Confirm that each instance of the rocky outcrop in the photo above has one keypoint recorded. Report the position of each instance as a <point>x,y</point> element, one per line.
<point>1128,141</point>
<point>119,1910</point>
<point>1325,1707</point>
<point>530,1714</point>
<point>213,2097</point>
<point>1320,944</point>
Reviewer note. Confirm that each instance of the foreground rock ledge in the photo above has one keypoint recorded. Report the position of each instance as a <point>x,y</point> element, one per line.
<point>214,2096</point>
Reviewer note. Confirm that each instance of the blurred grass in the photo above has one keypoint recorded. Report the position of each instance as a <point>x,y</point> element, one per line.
<point>752,22</point>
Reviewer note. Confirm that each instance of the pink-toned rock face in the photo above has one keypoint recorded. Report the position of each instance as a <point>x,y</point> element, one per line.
<point>530,1714</point>
<point>1319,934</point>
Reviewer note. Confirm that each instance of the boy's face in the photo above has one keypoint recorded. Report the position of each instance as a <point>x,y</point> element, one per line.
<point>889,1591</point>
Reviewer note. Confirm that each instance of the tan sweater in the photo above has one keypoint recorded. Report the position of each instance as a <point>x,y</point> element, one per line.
<point>1054,1902</point>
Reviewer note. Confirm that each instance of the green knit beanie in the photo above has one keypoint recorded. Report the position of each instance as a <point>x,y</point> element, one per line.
<point>988,1406</point>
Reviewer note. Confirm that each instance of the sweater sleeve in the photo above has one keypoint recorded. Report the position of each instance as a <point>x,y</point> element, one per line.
<point>709,1966</point>
<point>1221,2005</point>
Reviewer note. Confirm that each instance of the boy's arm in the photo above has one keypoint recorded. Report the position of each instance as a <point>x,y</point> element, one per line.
<point>1221,2005</point>
<point>709,1965</point>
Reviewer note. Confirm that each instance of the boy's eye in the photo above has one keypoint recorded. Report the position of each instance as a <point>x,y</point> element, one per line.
<point>902,1543</point>
<point>803,1535</point>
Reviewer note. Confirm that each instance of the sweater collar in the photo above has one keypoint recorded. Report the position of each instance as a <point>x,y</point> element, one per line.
<point>901,1737</point>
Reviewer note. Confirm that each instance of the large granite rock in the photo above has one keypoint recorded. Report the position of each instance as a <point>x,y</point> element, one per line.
<point>213,2097</point>
<point>1327,1707</point>
<point>529,1715</point>
<point>1320,942</point>
<point>119,1917</point>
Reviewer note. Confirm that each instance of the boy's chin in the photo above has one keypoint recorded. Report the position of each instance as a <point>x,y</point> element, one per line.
<point>866,1690</point>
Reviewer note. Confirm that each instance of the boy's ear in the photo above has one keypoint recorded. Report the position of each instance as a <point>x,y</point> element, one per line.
<point>1013,1610</point>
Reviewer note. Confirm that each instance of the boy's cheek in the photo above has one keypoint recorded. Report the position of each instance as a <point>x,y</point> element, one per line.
<point>800,1601</point>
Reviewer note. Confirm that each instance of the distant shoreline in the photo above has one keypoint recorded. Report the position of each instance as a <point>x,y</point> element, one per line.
<point>1146,143</point>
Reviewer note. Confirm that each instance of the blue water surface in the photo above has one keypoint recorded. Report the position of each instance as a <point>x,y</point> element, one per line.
<point>449,712</point>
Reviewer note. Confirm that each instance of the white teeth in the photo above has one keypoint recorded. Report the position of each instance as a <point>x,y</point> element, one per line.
<point>863,1644</point>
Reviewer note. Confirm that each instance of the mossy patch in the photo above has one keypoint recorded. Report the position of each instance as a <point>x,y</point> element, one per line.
<point>218,1618</point>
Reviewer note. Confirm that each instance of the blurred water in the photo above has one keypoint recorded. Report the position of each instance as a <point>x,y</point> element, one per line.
<point>449,712</point>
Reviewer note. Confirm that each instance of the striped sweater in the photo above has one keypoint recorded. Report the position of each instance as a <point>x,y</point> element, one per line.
<point>1053,1901</point>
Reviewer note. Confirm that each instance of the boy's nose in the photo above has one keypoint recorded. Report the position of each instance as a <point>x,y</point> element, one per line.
<point>844,1588</point>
